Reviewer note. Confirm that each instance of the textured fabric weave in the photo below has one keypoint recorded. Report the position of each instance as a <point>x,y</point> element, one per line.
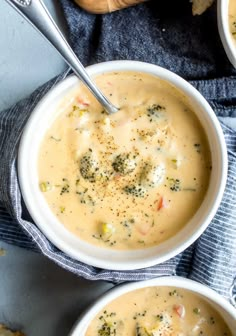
<point>169,37</point>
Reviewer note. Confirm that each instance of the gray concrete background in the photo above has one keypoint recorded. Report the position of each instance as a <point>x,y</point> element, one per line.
<point>26,59</point>
<point>36,295</point>
<point>40,298</point>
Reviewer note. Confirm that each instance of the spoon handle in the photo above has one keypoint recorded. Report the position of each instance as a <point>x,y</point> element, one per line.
<point>37,14</point>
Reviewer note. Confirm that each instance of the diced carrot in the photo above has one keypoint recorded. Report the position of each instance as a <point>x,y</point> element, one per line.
<point>117,177</point>
<point>144,229</point>
<point>161,203</point>
<point>82,102</point>
<point>180,310</point>
<point>124,122</point>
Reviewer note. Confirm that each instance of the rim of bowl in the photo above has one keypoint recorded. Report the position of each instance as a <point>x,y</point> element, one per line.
<point>87,316</point>
<point>88,253</point>
<point>224,30</point>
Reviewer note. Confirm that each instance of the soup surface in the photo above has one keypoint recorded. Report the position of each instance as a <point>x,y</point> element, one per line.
<point>130,180</point>
<point>158,311</point>
<point>232,18</point>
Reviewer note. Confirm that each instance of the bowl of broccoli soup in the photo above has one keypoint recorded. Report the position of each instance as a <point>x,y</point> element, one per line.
<point>226,13</point>
<point>128,190</point>
<point>164,306</point>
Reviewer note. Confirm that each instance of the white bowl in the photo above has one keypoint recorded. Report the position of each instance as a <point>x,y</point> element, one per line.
<point>41,118</point>
<point>223,307</point>
<point>224,30</point>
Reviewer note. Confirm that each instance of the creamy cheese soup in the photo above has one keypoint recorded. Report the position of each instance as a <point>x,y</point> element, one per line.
<point>158,311</point>
<point>130,180</point>
<point>232,18</point>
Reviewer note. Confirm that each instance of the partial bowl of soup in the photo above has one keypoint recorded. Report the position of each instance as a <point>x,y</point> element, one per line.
<point>166,306</point>
<point>226,13</point>
<point>128,190</point>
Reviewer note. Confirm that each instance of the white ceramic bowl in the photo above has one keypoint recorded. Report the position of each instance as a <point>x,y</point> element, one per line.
<point>224,30</point>
<point>42,117</point>
<point>223,307</point>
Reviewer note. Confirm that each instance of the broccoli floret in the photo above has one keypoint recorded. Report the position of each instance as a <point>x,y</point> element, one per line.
<point>152,175</point>
<point>141,331</point>
<point>124,163</point>
<point>89,167</point>
<point>175,184</point>
<point>135,190</point>
<point>155,111</point>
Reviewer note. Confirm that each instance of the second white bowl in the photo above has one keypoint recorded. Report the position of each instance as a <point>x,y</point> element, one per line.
<point>214,299</point>
<point>224,30</point>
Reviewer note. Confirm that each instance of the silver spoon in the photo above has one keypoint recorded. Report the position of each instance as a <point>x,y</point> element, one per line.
<point>37,14</point>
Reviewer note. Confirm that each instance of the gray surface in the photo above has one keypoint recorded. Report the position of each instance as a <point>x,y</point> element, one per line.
<point>39,297</point>
<point>35,295</point>
<point>26,59</point>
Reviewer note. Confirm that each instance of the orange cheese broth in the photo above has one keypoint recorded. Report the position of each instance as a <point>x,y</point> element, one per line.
<point>158,311</point>
<point>130,180</point>
<point>232,18</point>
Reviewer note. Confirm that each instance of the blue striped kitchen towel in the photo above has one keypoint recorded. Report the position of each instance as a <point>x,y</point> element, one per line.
<point>170,37</point>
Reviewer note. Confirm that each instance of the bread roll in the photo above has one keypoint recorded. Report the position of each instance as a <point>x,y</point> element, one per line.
<point>4,331</point>
<point>200,6</point>
<point>105,6</point>
<point>108,6</point>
